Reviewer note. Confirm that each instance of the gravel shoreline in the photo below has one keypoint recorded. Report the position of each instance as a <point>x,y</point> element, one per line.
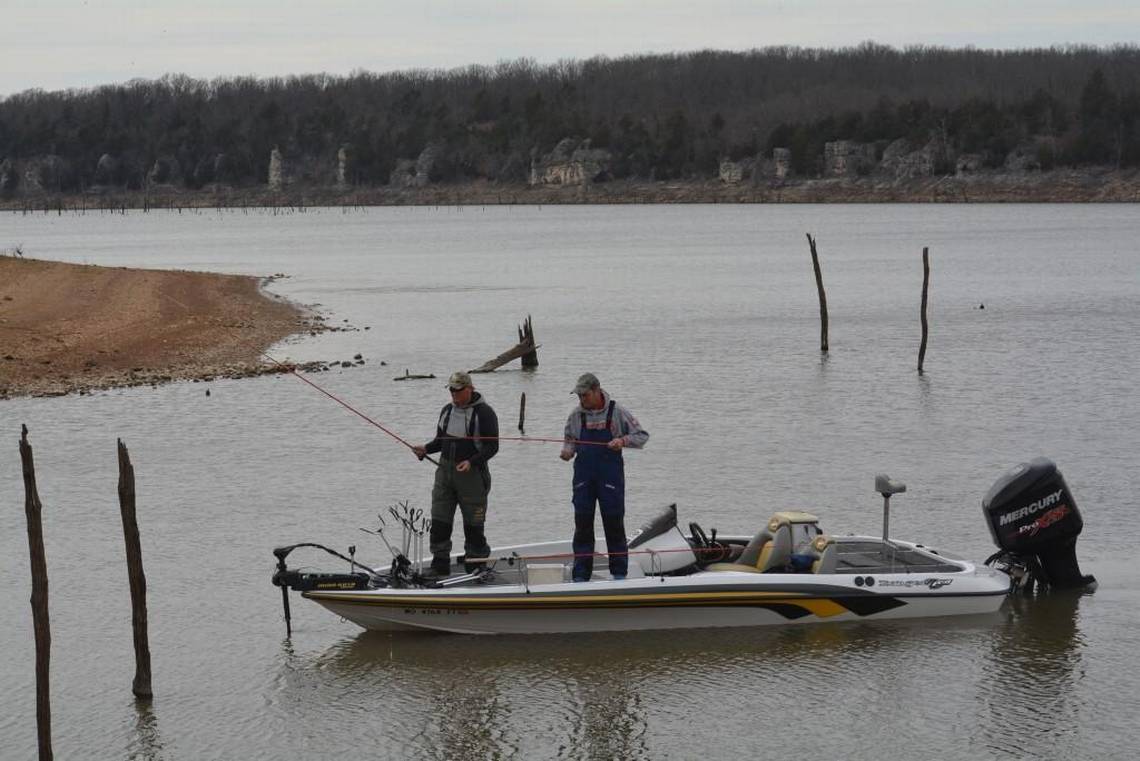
<point>71,328</point>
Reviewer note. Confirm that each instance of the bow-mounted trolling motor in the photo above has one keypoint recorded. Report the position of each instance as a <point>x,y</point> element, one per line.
<point>304,581</point>
<point>1034,521</point>
<point>402,573</point>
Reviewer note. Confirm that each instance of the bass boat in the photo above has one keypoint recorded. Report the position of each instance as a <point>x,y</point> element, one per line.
<point>788,572</point>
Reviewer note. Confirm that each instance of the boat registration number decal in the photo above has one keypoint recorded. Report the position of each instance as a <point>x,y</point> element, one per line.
<point>434,612</point>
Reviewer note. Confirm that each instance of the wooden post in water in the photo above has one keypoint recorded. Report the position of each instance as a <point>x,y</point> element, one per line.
<point>522,412</point>
<point>40,622</point>
<point>822,296</point>
<point>141,684</point>
<point>925,285</point>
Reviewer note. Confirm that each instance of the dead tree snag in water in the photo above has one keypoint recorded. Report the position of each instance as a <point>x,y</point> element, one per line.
<point>526,348</point>
<point>526,336</point>
<point>40,621</point>
<point>925,285</point>
<point>141,684</point>
<point>822,295</point>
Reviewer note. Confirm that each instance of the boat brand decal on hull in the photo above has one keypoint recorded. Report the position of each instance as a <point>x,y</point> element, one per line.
<point>910,583</point>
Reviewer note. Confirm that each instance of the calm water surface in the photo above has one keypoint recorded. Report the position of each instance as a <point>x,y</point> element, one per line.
<point>704,321</point>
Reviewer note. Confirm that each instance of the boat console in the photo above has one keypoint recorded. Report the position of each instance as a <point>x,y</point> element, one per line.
<point>659,546</point>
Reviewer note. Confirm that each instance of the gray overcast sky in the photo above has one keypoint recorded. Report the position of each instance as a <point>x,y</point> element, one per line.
<point>58,44</point>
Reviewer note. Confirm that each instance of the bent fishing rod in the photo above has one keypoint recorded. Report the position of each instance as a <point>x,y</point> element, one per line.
<point>292,370</point>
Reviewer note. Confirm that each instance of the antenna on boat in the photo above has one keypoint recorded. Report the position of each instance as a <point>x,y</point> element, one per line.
<point>885,486</point>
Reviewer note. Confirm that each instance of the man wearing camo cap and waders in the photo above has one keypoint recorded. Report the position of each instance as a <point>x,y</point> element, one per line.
<point>466,438</point>
<point>596,432</point>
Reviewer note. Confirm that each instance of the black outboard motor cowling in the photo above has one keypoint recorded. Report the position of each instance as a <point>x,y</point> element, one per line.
<point>1034,520</point>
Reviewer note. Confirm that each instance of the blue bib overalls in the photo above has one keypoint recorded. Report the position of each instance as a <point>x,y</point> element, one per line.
<point>599,475</point>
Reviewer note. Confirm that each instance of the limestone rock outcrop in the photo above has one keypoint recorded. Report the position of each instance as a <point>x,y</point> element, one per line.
<point>46,174</point>
<point>847,158</point>
<point>968,163</point>
<point>106,170</point>
<point>343,166</point>
<point>415,174</point>
<point>903,162</point>
<point>736,172</point>
<point>165,171</point>
<point>571,163</point>
<point>1023,158</point>
<point>782,162</point>
<point>276,170</point>
<point>9,179</point>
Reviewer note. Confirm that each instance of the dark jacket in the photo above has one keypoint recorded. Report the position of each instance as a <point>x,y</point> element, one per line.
<point>477,419</point>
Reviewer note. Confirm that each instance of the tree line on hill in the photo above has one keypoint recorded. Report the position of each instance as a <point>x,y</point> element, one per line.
<point>658,116</point>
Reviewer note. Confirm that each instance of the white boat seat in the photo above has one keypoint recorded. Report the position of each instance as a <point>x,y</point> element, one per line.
<point>770,548</point>
<point>827,554</point>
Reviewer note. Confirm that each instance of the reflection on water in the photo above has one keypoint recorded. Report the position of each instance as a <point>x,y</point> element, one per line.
<point>146,745</point>
<point>1036,660</point>
<point>610,695</point>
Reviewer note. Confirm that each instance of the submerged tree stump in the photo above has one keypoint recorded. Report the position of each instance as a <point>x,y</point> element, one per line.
<point>40,620</point>
<point>526,349</point>
<point>526,335</point>
<point>822,295</point>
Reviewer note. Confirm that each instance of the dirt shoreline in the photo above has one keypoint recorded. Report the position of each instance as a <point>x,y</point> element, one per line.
<point>68,328</point>
<point>1089,185</point>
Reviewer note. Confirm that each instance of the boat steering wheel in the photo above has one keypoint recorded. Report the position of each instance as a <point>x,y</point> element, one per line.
<point>700,539</point>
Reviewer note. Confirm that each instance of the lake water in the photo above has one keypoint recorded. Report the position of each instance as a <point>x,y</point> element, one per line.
<point>704,321</point>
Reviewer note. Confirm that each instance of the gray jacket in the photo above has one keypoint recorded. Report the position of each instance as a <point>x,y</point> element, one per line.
<point>623,425</point>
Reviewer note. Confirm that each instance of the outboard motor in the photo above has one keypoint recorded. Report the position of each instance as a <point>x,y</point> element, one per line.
<point>1035,522</point>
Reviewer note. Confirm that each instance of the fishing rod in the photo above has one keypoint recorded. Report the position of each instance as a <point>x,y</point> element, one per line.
<point>532,439</point>
<point>346,405</point>
<point>524,439</point>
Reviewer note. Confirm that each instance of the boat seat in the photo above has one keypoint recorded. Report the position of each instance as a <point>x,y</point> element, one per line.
<point>827,554</point>
<point>770,548</point>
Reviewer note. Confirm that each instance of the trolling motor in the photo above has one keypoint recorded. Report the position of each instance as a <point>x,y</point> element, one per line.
<point>303,581</point>
<point>1035,523</point>
<point>402,572</point>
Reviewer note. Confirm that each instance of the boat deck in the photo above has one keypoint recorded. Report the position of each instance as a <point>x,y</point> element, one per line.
<point>872,556</point>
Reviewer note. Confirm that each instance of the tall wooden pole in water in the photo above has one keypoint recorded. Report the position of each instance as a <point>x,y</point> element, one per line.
<point>141,684</point>
<point>925,285</point>
<point>822,296</point>
<point>40,622</point>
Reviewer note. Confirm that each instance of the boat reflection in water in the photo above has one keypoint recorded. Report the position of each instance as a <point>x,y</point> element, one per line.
<point>618,694</point>
<point>1006,685</point>
<point>1036,658</point>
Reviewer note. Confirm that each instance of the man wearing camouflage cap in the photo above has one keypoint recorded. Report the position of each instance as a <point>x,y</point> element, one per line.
<point>466,437</point>
<point>596,432</point>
